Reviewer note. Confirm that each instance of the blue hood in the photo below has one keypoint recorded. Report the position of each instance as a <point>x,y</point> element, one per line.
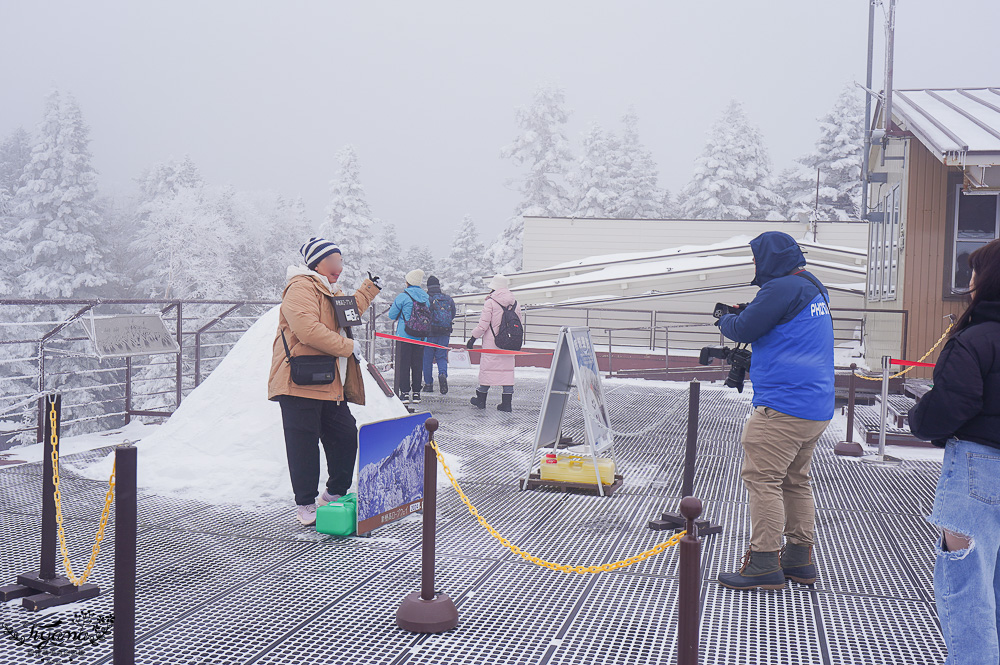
<point>777,254</point>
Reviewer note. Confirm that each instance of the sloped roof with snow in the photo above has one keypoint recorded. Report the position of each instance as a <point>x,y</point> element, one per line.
<point>954,123</point>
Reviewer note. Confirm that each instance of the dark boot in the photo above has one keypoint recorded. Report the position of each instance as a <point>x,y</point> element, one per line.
<point>428,388</point>
<point>797,563</point>
<point>504,404</point>
<point>479,401</point>
<point>760,570</point>
<point>443,381</point>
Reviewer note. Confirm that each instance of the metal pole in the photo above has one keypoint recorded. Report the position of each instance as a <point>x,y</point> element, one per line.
<point>691,449</point>
<point>197,359</point>
<point>666,346</point>
<point>889,45</point>
<point>850,403</point>
<point>885,406</point>
<point>881,457</point>
<point>868,111</point>
<point>849,448</point>
<point>428,611</point>
<point>180,354</point>
<point>41,389</point>
<point>47,566</point>
<point>126,511</point>
<point>610,370</point>
<point>430,515</point>
<point>128,389</point>
<point>689,600</point>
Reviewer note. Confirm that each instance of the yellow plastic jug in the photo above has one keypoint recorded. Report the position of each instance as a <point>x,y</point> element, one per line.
<point>575,469</point>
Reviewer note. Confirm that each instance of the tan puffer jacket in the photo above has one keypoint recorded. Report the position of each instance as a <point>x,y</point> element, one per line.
<point>310,325</point>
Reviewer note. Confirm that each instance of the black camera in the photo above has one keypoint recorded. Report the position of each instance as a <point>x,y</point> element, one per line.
<point>721,309</point>
<point>738,359</point>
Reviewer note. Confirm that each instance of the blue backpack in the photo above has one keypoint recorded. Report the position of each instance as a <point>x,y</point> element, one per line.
<point>441,319</point>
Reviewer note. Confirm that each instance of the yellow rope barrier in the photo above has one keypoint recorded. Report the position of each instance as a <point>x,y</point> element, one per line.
<point>922,358</point>
<point>607,567</point>
<point>59,517</point>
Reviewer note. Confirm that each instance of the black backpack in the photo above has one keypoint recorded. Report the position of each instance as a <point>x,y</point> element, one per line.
<point>510,335</point>
<point>419,323</point>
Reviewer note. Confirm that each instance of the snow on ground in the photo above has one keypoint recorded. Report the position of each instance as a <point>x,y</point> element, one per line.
<point>77,444</point>
<point>225,442</point>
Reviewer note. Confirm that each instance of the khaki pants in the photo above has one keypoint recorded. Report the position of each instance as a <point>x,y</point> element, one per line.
<point>777,452</point>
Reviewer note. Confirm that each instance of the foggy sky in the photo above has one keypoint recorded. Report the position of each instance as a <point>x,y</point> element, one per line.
<point>263,94</point>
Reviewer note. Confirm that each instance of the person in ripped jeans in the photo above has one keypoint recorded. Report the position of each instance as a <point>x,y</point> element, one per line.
<point>961,413</point>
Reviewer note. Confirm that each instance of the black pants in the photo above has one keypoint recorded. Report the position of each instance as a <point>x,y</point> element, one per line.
<point>306,422</point>
<point>409,366</point>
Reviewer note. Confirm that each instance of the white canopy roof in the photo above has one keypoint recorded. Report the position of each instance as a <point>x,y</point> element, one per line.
<point>960,125</point>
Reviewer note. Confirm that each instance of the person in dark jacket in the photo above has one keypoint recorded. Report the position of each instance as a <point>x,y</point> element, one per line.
<point>961,413</point>
<point>791,330</point>
<point>442,314</point>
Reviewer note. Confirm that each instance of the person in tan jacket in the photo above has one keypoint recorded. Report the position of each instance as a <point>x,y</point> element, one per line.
<point>312,413</point>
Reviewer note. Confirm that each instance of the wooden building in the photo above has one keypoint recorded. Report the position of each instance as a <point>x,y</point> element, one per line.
<point>933,199</point>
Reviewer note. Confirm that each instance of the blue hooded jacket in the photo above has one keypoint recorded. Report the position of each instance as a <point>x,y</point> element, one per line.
<point>790,329</point>
<point>402,308</point>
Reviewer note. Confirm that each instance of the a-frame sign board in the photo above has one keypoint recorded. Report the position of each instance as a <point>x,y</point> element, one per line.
<point>574,358</point>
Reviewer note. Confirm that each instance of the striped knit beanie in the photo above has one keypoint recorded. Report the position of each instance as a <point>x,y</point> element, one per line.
<point>316,250</point>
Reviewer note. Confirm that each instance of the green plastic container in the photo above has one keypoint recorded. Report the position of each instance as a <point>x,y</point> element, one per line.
<point>340,517</point>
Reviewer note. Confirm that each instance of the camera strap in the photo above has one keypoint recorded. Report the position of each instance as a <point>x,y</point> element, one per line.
<point>816,284</point>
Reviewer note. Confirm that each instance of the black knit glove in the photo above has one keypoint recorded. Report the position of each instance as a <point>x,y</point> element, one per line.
<point>471,343</point>
<point>374,280</point>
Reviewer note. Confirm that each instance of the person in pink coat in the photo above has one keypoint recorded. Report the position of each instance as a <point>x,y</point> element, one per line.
<point>494,369</point>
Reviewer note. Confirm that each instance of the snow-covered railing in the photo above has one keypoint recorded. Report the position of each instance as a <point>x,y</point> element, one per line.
<point>43,348</point>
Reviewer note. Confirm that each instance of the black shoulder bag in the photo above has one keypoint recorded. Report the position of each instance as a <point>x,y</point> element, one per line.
<point>310,370</point>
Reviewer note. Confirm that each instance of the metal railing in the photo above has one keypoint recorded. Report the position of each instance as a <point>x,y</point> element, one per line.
<point>42,350</point>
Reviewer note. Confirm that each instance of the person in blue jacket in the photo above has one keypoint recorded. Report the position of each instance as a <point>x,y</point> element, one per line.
<point>790,329</point>
<point>409,357</point>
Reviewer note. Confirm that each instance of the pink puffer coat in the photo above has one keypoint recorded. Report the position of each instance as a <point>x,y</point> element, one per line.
<point>494,369</point>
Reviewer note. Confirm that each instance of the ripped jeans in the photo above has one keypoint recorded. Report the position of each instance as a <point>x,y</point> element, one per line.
<point>967,582</point>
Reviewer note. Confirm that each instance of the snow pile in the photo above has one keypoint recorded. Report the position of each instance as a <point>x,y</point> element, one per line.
<point>225,443</point>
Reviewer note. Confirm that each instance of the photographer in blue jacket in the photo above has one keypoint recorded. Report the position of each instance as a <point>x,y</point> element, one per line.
<point>790,329</point>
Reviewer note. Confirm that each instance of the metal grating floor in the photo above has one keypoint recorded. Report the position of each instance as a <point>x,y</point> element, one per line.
<point>218,585</point>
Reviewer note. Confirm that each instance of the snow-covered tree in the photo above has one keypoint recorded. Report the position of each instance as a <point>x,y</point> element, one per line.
<point>506,253</point>
<point>418,256</point>
<point>183,241</point>
<point>388,264</point>
<point>117,238</point>
<point>57,213</point>
<point>594,190</point>
<point>466,263</point>
<point>634,176</point>
<point>732,177</point>
<point>542,149</point>
<point>838,157</point>
<point>350,222</point>
<point>15,155</point>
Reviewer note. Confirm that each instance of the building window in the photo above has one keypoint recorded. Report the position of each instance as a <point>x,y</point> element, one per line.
<point>892,246</point>
<point>977,223</point>
<point>883,248</point>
